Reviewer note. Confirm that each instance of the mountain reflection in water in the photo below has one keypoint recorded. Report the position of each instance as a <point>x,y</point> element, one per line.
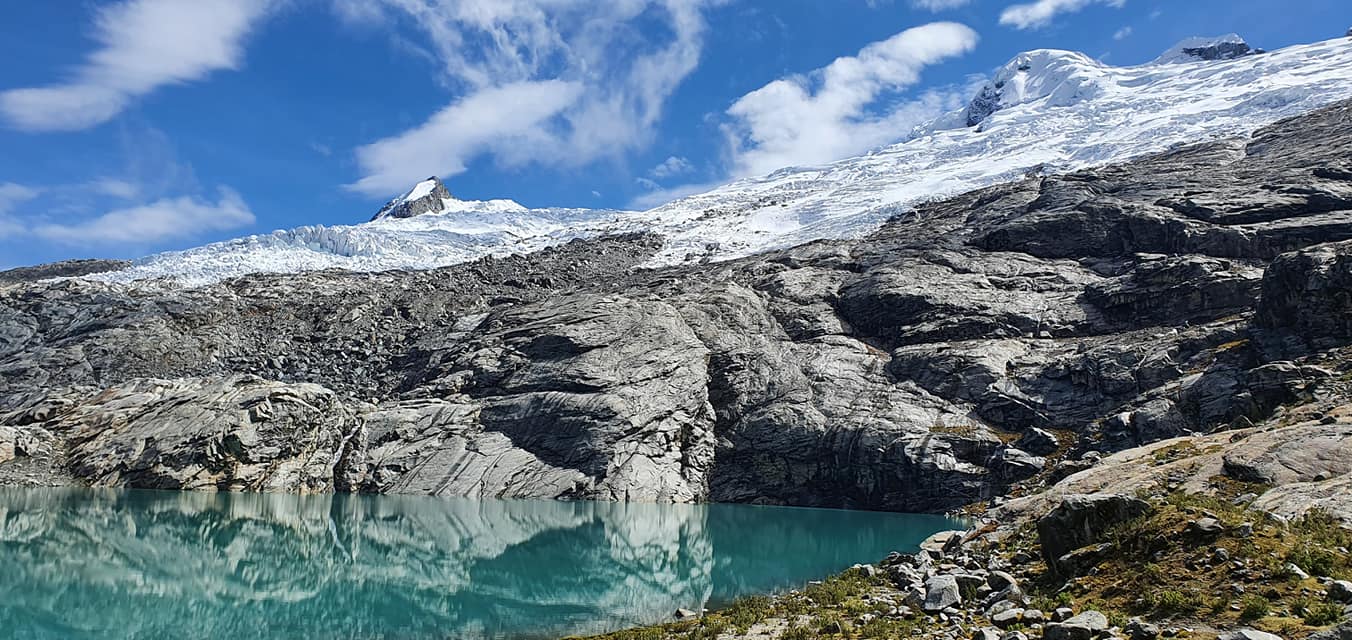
<point>80,563</point>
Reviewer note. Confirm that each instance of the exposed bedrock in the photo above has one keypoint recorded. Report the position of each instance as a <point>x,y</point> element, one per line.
<point>993,339</point>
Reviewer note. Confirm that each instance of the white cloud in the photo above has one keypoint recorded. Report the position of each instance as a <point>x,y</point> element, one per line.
<point>835,112</point>
<point>12,194</point>
<point>164,219</point>
<point>501,117</point>
<point>144,45</point>
<point>939,5</point>
<point>672,166</point>
<point>115,187</point>
<point>1035,15</point>
<point>1123,33</point>
<point>599,75</point>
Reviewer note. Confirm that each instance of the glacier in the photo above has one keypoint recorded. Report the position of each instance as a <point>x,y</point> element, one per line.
<point>1046,111</point>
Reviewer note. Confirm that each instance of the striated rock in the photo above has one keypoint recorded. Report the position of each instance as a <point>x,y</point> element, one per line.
<point>1315,478</point>
<point>920,368</point>
<point>1307,293</point>
<point>235,434</point>
<point>1082,519</point>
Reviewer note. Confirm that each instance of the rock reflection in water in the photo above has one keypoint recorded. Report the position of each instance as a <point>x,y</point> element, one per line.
<point>107,564</point>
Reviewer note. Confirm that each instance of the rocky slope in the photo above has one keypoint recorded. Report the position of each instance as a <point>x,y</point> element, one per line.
<point>968,348</point>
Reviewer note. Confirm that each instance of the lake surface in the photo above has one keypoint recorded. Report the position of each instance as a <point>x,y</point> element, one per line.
<point>80,563</point>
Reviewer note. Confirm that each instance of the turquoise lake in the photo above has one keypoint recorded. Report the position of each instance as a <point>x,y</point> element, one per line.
<point>80,563</point>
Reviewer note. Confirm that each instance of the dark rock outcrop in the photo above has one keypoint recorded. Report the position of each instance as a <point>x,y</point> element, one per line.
<point>1083,519</point>
<point>427,197</point>
<point>66,269</point>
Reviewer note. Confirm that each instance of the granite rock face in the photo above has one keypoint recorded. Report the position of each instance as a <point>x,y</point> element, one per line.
<point>931,364</point>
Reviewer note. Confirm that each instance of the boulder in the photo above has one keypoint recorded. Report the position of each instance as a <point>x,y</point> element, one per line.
<point>1138,629</point>
<point>1007,618</point>
<point>943,542</point>
<point>1085,626</point>
<point>941,592</point>
<point>1083,519</point>
<point>1039,442</point>
<point>1205,527</point>
<point>986,633</point>
<point>1340,591</point>
<point>1001,579</point>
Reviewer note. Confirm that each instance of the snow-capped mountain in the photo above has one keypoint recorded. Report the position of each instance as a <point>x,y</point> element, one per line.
<point>1046,110</point>
<point>431,196</point>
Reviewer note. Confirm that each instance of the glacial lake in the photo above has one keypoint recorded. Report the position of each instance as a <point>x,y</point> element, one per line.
<point>81,563</point>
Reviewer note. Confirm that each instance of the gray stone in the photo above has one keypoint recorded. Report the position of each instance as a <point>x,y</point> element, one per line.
<point>1007,618</point>
<point>986,633</point>
<point>1085,626</point>
<point>1000,580</point>
<point>1138,629</point>
<point>941,592</point>
<point>1208,527</point>
<point>943,542</point>
<point>1340,591</point>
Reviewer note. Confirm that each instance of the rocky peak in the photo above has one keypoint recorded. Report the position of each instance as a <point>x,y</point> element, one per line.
<point>1226,47</point>
<point>428,196</point>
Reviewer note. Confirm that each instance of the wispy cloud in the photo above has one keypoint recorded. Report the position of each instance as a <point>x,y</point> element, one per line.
<point>834,112</point>
<point>1036,15</point>
<point>672,166</point>
<point>164,219</point>
<point>939,5</point>
<point>597,79</point>
<point>12,194</point>
<point>143,45</point>
<point>509,118</point>
<point>1123,33</point>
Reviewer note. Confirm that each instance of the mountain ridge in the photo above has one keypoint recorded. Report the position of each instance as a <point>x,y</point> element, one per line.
<point>1121,112</point>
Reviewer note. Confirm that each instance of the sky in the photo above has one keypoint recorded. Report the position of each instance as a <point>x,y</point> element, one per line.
<point>136,126</point>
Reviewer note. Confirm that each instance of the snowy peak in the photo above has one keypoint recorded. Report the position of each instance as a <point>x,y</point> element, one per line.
<point>1226,47</point>
<point>431,197</point>
<point>428,196</point>
<point>1065,77</point>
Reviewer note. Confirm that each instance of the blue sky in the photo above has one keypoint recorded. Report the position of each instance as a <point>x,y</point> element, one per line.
<point>136,126</point>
